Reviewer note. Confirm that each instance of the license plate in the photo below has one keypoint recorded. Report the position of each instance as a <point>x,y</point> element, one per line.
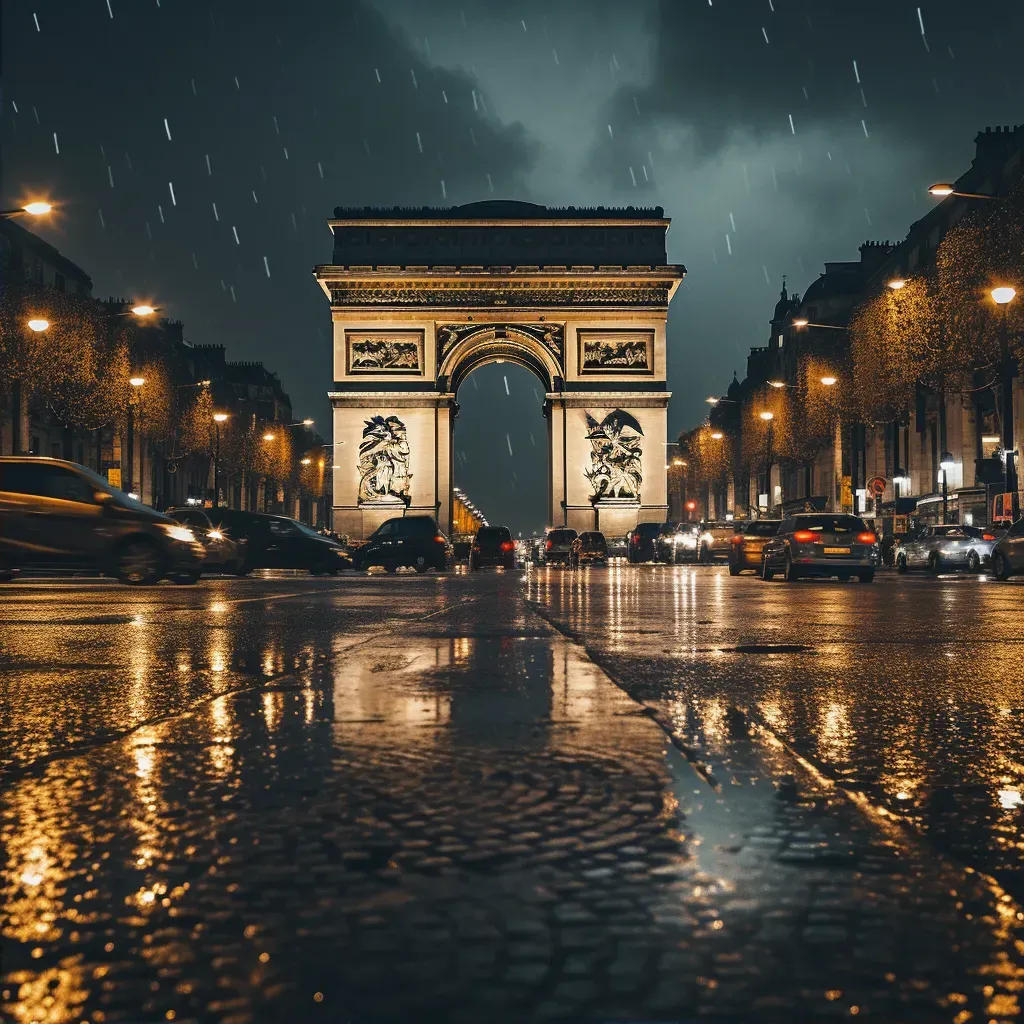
<point>837,551</point>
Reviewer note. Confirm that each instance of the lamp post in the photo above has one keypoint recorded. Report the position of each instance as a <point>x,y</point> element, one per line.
<point>126,484</point>
<point>945,464</point>
<point>1002,297</point>
<point>218,419</point>
<point>769,418</point>
<point>943,189</point>
<point>38,208</point>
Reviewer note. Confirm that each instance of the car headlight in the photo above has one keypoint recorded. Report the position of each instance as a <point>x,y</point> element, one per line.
<point>215,535</point>
<point>182,533</point>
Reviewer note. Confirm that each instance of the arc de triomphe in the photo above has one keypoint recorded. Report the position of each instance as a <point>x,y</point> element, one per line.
<point>421,297</point>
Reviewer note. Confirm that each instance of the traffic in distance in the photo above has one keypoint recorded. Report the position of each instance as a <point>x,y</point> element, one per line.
<point>57,517</point>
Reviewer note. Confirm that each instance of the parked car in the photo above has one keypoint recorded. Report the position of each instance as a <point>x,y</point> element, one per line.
<point>406,541</point>
<point>1008,553</point>
<point>821,544</point>
<point>62,517</point>
<point>558,546</point>
<point>223,553</point>
<point>715,540</point>
<point>493,546</point>
<point>277,542</point>
<point>944,548</point>
<point>675,543</point>
<point>641,546</point>
<point>748,543</point>
<point>589,548</point>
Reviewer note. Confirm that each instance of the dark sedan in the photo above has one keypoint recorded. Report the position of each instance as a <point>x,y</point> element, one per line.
<point>558,546</point>
<point>821,544</point>
<point>493,546</point>
<point>60,517</point>
<point>413,542</point>
<point>748,543</point>
<point>589,548</point>
<point>277,542</point>
<point>642,545</point>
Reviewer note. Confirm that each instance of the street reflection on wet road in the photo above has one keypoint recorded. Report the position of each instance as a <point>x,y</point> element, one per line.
<point>402,798</point>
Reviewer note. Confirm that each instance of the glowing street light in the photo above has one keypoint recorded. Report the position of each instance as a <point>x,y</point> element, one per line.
<point>1002,295</point>
<point>306,462</point>
<point>220,417</point>
<point>38,325</point>
<point>37,208</point>
<point>717,435</point>
<point>143,310</point>
<point>829,381</point>
<point>777,383</point>
<point>944,188</point>
<point>136,382</point>
<point>766,416</point>
<point>802,322</point>
<point>896,284</point>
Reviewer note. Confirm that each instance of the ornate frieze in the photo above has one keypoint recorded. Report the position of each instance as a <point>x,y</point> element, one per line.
<point>390,352</point>
<point>384,461</point>
<point>616,351</point>
<point>551,336</point>
<point>514,294</point>
<point>615,454</point>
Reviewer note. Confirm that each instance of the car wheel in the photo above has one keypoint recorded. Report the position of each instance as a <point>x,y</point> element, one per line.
<point>1000,566</point>
<point>973,562</point>
<point>139,563</point>
<point>934,563</point>
<point>901,564</point>
<point>767,573</point>
<point>867,576</point>
<point>242,569</point>
<point>790,573</point>
<point>186,578</point>
<point>421,564</point>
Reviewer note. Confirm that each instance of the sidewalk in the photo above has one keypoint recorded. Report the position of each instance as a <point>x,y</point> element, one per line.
<point>472,823</point>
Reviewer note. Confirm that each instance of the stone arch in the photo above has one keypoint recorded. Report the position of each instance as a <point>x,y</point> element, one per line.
<point>489,344</point>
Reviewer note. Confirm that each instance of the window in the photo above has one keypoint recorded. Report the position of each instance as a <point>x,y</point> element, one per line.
<point>282,528</point>
<point>386,530</point>
<point>45,482</point>
<point>782,338</point>
<point>59,282</point>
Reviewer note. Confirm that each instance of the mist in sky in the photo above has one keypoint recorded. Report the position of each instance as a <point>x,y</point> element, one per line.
<point>197,149</point>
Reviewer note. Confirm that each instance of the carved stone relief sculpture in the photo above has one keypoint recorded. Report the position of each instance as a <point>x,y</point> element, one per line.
<point>384,461</point>
<point>615,453</point>
<point>385,352</point>
<point>616,351</point>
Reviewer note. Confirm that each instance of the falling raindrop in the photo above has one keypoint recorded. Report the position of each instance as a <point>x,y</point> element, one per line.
<point>36,20</point>
<point>412,72</point>
<point>508,441</point>
<point>234,231</point>
<point>865,127</point>
<point>419,142</point>
<point>167,128</point>
<point>160,210</point>
<point>377,73</point>
<point>764,32</point>
<point>110,175</point>
<point>254,199</point>
<point>728,244</point>
<point>56,145</point>
<point>266,266</point>
<point>209,169</point>
<point>633,176</point>
<point>170,186</point>
<point>216,215</point>
<point>505,378</point>
<point>444,191</point>
<point>320,168</point>
<point>103,223</point>
<point>732,221</point>
<point>792,127</point>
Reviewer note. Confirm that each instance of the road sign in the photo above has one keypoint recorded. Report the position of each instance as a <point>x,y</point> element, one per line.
<point>876,485</point>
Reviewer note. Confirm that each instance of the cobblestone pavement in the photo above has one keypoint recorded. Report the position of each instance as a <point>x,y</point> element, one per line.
<point>413,799</point>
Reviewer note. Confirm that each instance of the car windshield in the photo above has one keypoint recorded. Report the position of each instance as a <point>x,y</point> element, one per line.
<point>562,536</point>
<point>830,524</point>
<point>649,529</point>
<point>763,528</point>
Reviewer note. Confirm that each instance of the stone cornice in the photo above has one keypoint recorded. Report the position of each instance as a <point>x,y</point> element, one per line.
<point>502,222</point>
<point>614,399</point>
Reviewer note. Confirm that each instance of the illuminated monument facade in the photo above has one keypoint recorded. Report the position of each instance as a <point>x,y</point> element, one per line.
<point>422,297</point>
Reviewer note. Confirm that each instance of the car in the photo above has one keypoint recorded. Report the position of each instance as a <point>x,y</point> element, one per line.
<point>944,548</point>
<point>675,543</point>
<point>641,546</point>
<point>715,540</point>
<point>223,553</point>
<point>270,541</point>
<point>537,550</point>
<point>748,542</point>
<point>414,542</point>
<point>558,546</point>
<point>589,548</point>
<point>62,517</point>
<point>618,546</point>
<point>1008,552</point>
<point>493,546</point>
<point>821,544</point>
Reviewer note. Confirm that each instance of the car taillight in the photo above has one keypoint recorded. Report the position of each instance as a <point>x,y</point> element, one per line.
<point>476,547</point>
<point>507,545</point>
<point>866,538</point>
<point>738,539</point>
<point>803,536</point>
<point>988,536</point>
<point>439,539</point>
<point>549,545</point>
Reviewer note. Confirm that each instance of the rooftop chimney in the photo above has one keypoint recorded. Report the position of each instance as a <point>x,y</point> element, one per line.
<point>994,145</point>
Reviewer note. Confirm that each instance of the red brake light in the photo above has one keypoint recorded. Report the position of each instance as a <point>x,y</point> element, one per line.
<point>507,545</point>
<point>988,536</point>
<point>549,545</point>
<point>803,536</point>
<point>738,539</point>
<point>866,538</point>
<point>476,547</point>
<point>439,539</point>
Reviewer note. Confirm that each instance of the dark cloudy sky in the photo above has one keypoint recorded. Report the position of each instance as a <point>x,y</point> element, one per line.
<point>308,104</point>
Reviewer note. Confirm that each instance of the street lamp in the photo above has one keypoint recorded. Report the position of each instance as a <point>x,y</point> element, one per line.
<point>218,419</point>
<point>268,436</point>
<point>802,322</point>
<point>943,189</point>
<point>896,284</point>
<point>769,418</point>
<point>38,324</point>
<point>37,208</point>
<point>946,463</point>
<point>127,484</point>
<point>306,461</point>
<point>717,435</point>
<point>1002,296</point>
<point>829,381</point>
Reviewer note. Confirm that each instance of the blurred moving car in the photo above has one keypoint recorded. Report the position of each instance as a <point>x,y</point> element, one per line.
<point>589,548</point>
<point>748,543</point>
<point>715,540</point>
<point>276,542</point>
<point>618,546</point>
<point>62,517</point>
<point>1008,553</point>
<point>821,544</point>
<point>558,546</point>
<point>493,546</point>
<point>223,553</point>
<point>944,548</point>
<point>642,542</point>
<point>413,542</point>
<point>675,543</point>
